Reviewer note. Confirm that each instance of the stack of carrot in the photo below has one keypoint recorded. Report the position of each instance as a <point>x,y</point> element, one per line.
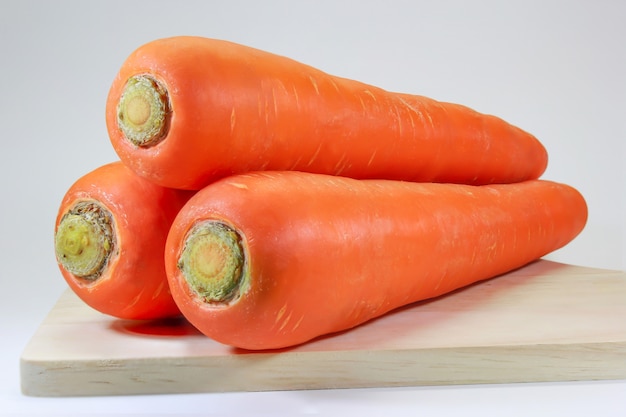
<point>271,203</point>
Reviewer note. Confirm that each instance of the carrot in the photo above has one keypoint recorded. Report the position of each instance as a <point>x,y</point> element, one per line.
<point>270,260</point>
<point>185,111</point>
<point>109,238</point>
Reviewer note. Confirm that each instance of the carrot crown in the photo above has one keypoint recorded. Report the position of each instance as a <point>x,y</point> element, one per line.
<point>213,263</point>
<point>143,111</point>
<point>84,240</point>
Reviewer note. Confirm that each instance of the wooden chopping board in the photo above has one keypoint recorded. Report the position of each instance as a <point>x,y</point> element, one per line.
<point>544,322</point>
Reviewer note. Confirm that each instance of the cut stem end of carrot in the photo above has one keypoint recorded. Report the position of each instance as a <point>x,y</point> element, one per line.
<point>213,262</point>
<point>143,111</point>
<point>84,240</point>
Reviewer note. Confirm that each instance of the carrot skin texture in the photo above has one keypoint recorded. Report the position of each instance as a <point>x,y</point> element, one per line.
<point>235,109</point>
<point>133,284</point>
<point>325,254</point>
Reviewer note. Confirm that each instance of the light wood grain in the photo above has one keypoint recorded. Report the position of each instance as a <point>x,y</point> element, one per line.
<point>544,322</point>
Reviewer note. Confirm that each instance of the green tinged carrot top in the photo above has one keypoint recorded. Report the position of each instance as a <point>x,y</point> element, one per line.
<point>84,240</point>
<point>143,111</point>
<point>213,262</point>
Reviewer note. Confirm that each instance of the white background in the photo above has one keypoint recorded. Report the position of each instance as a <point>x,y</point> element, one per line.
<point>554,68</point>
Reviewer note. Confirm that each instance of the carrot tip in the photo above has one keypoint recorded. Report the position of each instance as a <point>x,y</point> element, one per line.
<point>212,262</point>
<point>143,111</point>
<point>84,240</point>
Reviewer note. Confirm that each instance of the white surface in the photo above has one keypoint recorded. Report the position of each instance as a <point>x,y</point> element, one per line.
<point>555,68</point>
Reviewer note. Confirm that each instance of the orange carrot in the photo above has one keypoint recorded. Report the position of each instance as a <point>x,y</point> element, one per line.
<point>185,111</point>
<point>110,234</point>
<point>274,259</point>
